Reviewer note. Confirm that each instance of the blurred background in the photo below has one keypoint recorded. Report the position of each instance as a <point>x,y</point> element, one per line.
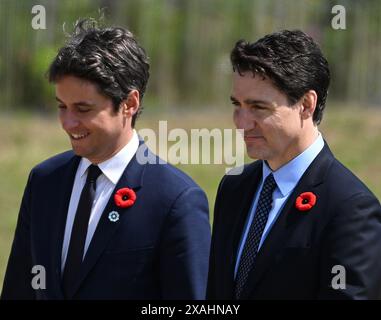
<point>188,43</point>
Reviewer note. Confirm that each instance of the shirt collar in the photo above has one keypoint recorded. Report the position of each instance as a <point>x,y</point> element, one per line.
<point>288,176</point>
<point>114,167</point>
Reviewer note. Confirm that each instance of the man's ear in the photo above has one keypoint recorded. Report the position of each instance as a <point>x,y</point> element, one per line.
<point>309,101</point>
<point>130,105</point>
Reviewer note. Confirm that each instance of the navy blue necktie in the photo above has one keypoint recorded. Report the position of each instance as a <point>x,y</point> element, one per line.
<point>254,235</point>
<point>79,231</point>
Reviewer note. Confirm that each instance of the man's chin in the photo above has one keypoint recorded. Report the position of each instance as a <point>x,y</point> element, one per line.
<point>78,151</point>
<point>255,154</point>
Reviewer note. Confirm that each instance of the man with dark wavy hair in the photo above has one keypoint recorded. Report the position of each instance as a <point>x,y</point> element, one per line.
<point>296,224</point>
<point>97,221</point>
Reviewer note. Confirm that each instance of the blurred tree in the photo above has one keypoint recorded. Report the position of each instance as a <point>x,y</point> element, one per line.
<point>189,43</point>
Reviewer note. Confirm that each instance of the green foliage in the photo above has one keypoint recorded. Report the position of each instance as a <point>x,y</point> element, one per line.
<point>189,43</point>
<point>40,61</point>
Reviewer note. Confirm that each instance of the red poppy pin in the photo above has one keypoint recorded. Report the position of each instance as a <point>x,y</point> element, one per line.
<point>305,201</point>
<point>125,197</point>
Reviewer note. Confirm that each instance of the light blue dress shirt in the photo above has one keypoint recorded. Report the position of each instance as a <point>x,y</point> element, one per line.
<point>286,178</point>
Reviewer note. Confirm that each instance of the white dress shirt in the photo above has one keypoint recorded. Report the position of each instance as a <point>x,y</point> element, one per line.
<point>112,169</point>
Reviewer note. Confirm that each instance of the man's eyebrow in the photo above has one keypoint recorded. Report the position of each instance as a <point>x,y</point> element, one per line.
<point>251,101</point>
<point>254,101</point>
<point>79,103</point>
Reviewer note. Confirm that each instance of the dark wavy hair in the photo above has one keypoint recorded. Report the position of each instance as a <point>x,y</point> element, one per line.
<point>110,58</point>
<point>292,60</point>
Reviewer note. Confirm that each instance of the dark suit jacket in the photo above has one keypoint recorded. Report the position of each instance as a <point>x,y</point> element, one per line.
<point>297,257</point>
<point>159,248</point>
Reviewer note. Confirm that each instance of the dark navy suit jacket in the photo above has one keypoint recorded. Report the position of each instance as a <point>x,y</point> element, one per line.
<point>297,259</point>
<point>158,249</point>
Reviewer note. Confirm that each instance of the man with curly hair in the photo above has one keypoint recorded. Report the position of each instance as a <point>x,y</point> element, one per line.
<point>101,223</point>
<point>296,224</point>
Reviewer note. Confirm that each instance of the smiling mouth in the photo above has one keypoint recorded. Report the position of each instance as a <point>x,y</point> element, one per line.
<point>75,136</point>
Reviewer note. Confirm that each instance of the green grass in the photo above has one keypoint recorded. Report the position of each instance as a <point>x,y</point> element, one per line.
<point>25,140</point>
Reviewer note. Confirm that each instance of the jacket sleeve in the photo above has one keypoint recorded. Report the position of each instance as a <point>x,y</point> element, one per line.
<point>352,244</point>
<point>185,245</point>
<point>18,276</point>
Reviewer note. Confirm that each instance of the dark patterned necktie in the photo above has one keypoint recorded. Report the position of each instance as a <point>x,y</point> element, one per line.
<point>79,231</point>
<point>254,235</point>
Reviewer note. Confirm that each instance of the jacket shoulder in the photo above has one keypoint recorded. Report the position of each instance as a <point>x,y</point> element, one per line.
<point>237,176</point>
<point>169,185</point>
<point>164,173</point>
<point>344,182</point>
<point>52,164</point>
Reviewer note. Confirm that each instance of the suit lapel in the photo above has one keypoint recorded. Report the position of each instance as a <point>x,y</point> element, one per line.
<point>58,222</point>
<point>287,219</point>
<point>250,182</point>
<point>131,178</point>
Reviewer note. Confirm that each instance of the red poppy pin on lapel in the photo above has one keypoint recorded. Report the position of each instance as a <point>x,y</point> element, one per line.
<point>305,201</point>
<point>125,197</point>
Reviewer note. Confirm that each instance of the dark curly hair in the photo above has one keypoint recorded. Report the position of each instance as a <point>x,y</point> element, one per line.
<point>110,58</point>
<point>292,60</point>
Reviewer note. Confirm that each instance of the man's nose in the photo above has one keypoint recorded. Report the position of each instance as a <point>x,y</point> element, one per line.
<point>69,121</point>
<point>244,120</point>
